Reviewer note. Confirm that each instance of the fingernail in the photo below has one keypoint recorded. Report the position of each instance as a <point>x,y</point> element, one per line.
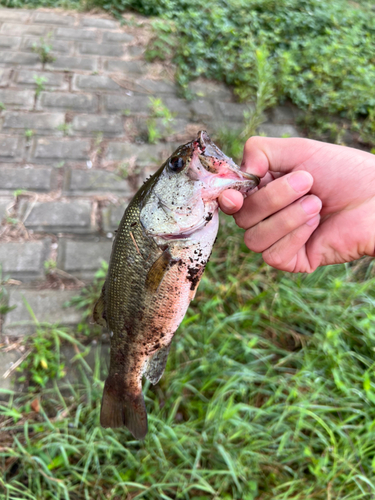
<point>299,181</point>
<point>227,203</point>
<point>313,221</point>
<point>311,205</point>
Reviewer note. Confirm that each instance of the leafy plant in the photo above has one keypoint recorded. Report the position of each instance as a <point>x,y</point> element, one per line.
<point>2,106</point>
<point>29,133</point>
<point>65,128</point>
<point>40,81</point>
<point>44,49</point>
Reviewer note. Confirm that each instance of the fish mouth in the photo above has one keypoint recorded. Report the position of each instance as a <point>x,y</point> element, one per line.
<point>220,171</point>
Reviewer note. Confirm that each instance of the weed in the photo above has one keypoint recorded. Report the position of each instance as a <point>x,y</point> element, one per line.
<point>44,50</point>
<point>65,128</point>
<point>11,220</point>
<point>49,265</point>
<point>86,300</point>
<point>29,133</point>
<point>2,106</point>
<point>160,122</point>
<point>127,169</point>
<point>39,81</point>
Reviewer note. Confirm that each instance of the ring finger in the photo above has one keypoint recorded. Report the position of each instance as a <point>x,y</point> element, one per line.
<point>266,233</point>
<point>272,198</point>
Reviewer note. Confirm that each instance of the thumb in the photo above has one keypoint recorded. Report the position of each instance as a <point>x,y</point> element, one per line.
<point>263,154</point>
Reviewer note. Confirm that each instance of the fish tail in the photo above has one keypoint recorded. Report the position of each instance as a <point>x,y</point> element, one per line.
<point>122,406</point>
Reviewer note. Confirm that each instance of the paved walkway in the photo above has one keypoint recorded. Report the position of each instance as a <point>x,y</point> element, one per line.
<point>75,100</point>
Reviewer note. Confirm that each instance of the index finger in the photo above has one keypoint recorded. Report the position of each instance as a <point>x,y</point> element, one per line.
<point>263,154</point>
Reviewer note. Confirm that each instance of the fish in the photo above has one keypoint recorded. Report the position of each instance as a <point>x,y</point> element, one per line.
<point>159,254</point>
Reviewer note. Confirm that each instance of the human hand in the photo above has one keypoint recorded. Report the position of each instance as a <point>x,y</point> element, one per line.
<point>296,231</point>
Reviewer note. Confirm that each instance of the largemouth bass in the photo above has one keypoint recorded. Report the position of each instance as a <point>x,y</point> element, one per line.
<point>161,248</point>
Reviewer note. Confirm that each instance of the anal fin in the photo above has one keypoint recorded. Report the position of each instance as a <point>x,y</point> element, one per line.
<point>156,364</point>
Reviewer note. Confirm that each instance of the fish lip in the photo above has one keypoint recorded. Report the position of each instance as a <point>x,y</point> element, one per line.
<point>251,177</point>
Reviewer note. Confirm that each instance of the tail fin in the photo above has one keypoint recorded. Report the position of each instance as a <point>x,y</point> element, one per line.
<point>121,407</point>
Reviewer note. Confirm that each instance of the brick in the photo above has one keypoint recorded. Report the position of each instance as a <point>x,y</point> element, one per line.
<point>94,82</point>
<point>127,67</point>
<point>20,99</point>
<point>55,80</point>
<point>180,107</point>
<point>210,90</point>
<point>202,109</point>
<point>96,22</point>
<point>110,36</point>
<point>50,18</point>
<point>271,130</point>
<point>5,77</point>
<point>133,104</point>
<point>175,126</point>
<point>144,154</point>
<point>32,44</point>
<point>135,50</point>
<point>24,260</point>
<point>71,149</point>
<point>57,216</point>
<point>67,102</point>
<point>10,42</point>
<point>146,86</point>
<point>7,360</point>
<point>98,181</point>
<point>22,29</point>
<point>34,121</point>
<point>82,258</point>
<point>21,58</point>
<point>36,179</point>
<point>14,15</point>
<point>233,111</point>
<point>283,115</point>
<point>75,34</point>
<point>47,305</point>
<point>70,63</point>
<point>8,147</point>
<point>107,124</point>
<point>5,204</point>
<point>101,49</point>
<point>112,216</point>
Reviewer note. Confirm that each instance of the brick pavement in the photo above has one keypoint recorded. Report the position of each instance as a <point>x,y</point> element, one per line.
<point>73,143</point>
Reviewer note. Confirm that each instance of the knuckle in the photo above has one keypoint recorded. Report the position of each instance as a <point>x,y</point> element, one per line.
<point>252,241</point>
<point>240,220</point>
<point>252,141</point>
<point>273,258</point>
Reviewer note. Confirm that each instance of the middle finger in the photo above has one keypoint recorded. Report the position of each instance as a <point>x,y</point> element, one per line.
<point>273,197</point>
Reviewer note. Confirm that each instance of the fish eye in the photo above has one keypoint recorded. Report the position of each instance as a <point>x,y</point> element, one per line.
<point>176,163</point>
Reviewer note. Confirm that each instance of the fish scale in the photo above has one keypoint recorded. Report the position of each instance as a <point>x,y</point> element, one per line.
<point>159,254</point>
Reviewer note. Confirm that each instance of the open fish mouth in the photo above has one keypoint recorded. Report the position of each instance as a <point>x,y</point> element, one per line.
<point>219,171</point>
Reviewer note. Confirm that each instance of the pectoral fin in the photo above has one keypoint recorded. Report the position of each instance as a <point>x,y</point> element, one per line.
<point>99,312</point>
<point>158,270</point>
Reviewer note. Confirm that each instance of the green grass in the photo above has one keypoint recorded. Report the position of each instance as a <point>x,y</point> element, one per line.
<point>269,393</point>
